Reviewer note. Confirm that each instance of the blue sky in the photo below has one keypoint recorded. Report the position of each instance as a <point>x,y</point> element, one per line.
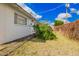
<point>50,11</point>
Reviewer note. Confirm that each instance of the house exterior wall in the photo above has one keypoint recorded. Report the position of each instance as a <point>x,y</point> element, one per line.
<point>10,31</point>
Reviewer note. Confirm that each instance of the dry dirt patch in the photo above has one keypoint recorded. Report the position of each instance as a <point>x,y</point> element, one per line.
<point>61,46</point>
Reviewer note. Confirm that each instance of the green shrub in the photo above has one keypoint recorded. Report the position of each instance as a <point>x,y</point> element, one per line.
<point>44,32</point>
<point>58,22</point>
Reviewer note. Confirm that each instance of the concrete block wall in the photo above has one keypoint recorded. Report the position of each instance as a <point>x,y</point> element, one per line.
<point>70,30</point>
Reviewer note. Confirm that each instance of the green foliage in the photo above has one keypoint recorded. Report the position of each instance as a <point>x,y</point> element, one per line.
<point>44,32</point>
<point>58,22</point>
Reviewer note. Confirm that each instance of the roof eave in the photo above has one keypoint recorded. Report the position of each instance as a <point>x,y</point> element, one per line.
<point>22,10</point>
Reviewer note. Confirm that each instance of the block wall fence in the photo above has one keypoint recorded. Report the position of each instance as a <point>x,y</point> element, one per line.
<point>70,30</point>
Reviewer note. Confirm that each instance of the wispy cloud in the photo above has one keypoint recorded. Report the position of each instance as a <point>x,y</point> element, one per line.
<point>51,9</point>
<point>78,12</point>
<point>64,15</point>
<point>73,10</point>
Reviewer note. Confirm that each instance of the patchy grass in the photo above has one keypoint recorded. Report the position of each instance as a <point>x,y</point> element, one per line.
<point>61,46</point>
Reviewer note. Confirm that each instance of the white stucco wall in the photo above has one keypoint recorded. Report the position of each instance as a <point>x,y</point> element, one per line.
<point>2,24</point>
<point>10,31</point>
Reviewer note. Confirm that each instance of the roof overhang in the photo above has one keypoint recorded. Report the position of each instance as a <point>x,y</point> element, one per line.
<point>26,10</point>
<point>29,10</point>
<point>17,7</point>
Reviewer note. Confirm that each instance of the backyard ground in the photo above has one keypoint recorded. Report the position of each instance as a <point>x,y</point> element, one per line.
<point>35,47</point>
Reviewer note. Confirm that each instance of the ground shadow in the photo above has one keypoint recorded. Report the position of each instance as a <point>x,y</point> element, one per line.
<point>38,40</point>
<point>27,38</point>
<point>32,38</point>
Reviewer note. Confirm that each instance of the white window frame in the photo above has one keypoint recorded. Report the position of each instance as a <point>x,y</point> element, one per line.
<point>19,19</point>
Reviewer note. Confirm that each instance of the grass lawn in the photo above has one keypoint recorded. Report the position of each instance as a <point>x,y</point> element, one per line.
<point>60,46</point>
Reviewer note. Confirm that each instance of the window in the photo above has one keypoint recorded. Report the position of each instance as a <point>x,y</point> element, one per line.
<point>19,19</point>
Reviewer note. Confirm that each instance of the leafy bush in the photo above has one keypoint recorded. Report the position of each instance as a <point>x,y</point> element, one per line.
<point>44,32</point>
<point>58,22</point>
